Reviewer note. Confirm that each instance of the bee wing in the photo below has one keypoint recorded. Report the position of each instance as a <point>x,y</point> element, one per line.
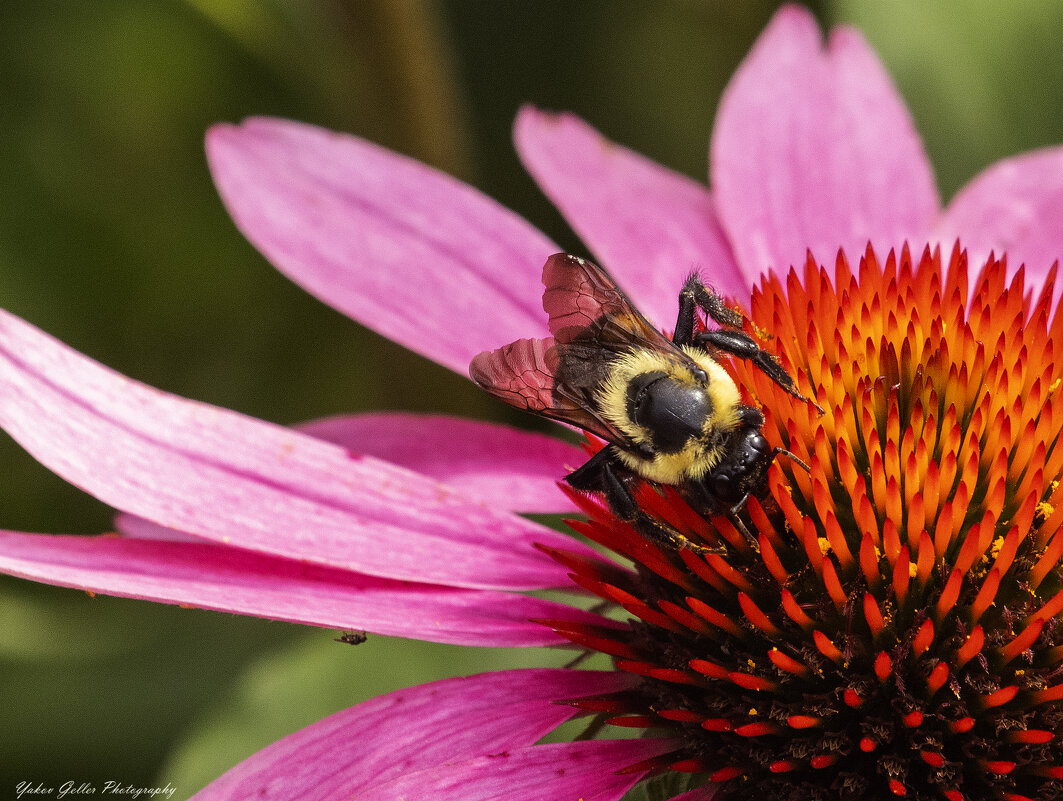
<point>583,302</point>
<point>593,324</point>
<point>522,374</point>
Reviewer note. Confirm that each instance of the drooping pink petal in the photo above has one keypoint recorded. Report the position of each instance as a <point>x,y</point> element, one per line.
<point>815,149</point>
<point>650,227</point>
<point>581,770</point>
<point>409,730</point>
<point>408,251</point>
<point>1013,207</point>
<point>220,475</point>
<point>137,527</point>
<point>211,576</point>
<point>503,467</point>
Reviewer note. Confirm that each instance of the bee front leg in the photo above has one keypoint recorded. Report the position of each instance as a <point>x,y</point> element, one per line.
<point>684,324</point>
<point>693,296</point>
<point>730,338</point>
<point>697,294</point>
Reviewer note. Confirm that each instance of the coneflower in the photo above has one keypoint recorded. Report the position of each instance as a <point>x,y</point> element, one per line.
<point>889,628</point>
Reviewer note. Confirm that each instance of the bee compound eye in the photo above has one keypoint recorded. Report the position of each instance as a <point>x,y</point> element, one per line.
<point>756,443</point>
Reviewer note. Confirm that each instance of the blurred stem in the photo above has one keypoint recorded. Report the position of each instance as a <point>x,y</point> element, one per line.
<point>398,51</point>
<point>415,65</point>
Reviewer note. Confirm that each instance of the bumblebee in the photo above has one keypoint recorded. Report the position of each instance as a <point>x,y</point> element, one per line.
<point>668,410</point>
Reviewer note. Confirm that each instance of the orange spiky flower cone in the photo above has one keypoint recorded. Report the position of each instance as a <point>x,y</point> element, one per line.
<point>894,629</point>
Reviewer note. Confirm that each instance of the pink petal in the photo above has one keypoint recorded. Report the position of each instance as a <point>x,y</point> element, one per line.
<point>816,150</point>
<point>1013,207</point>
<point>649,226</point>
<point>581,770</point>
<point>503,467</point>
<point>410,252</point>
<point>222,476</point>
<point>409,730</point>
<point>137,527</point>
<point>231,580</point>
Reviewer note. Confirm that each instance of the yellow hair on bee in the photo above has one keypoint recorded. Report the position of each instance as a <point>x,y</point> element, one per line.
<point>700,454</point>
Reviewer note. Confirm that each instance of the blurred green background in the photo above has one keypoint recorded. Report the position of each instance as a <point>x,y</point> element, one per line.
<point>112,238</point>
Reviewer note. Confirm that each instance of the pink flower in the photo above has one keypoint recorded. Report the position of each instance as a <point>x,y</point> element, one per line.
<point>408,526</point>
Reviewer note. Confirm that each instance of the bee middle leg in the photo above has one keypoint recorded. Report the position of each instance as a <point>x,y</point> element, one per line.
<point>600,475</point>
<point>665,535</point>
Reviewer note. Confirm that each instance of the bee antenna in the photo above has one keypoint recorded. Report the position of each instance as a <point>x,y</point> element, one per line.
<point>793,457</point>
<point>738,524</point>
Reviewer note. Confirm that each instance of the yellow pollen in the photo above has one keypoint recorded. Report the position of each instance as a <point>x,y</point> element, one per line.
<point>1055,385</point>
<point>912,569</point>
<point>1045,509</point>
<point>824,545</point>
<point>753,712</point>
<point>994,549</point>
